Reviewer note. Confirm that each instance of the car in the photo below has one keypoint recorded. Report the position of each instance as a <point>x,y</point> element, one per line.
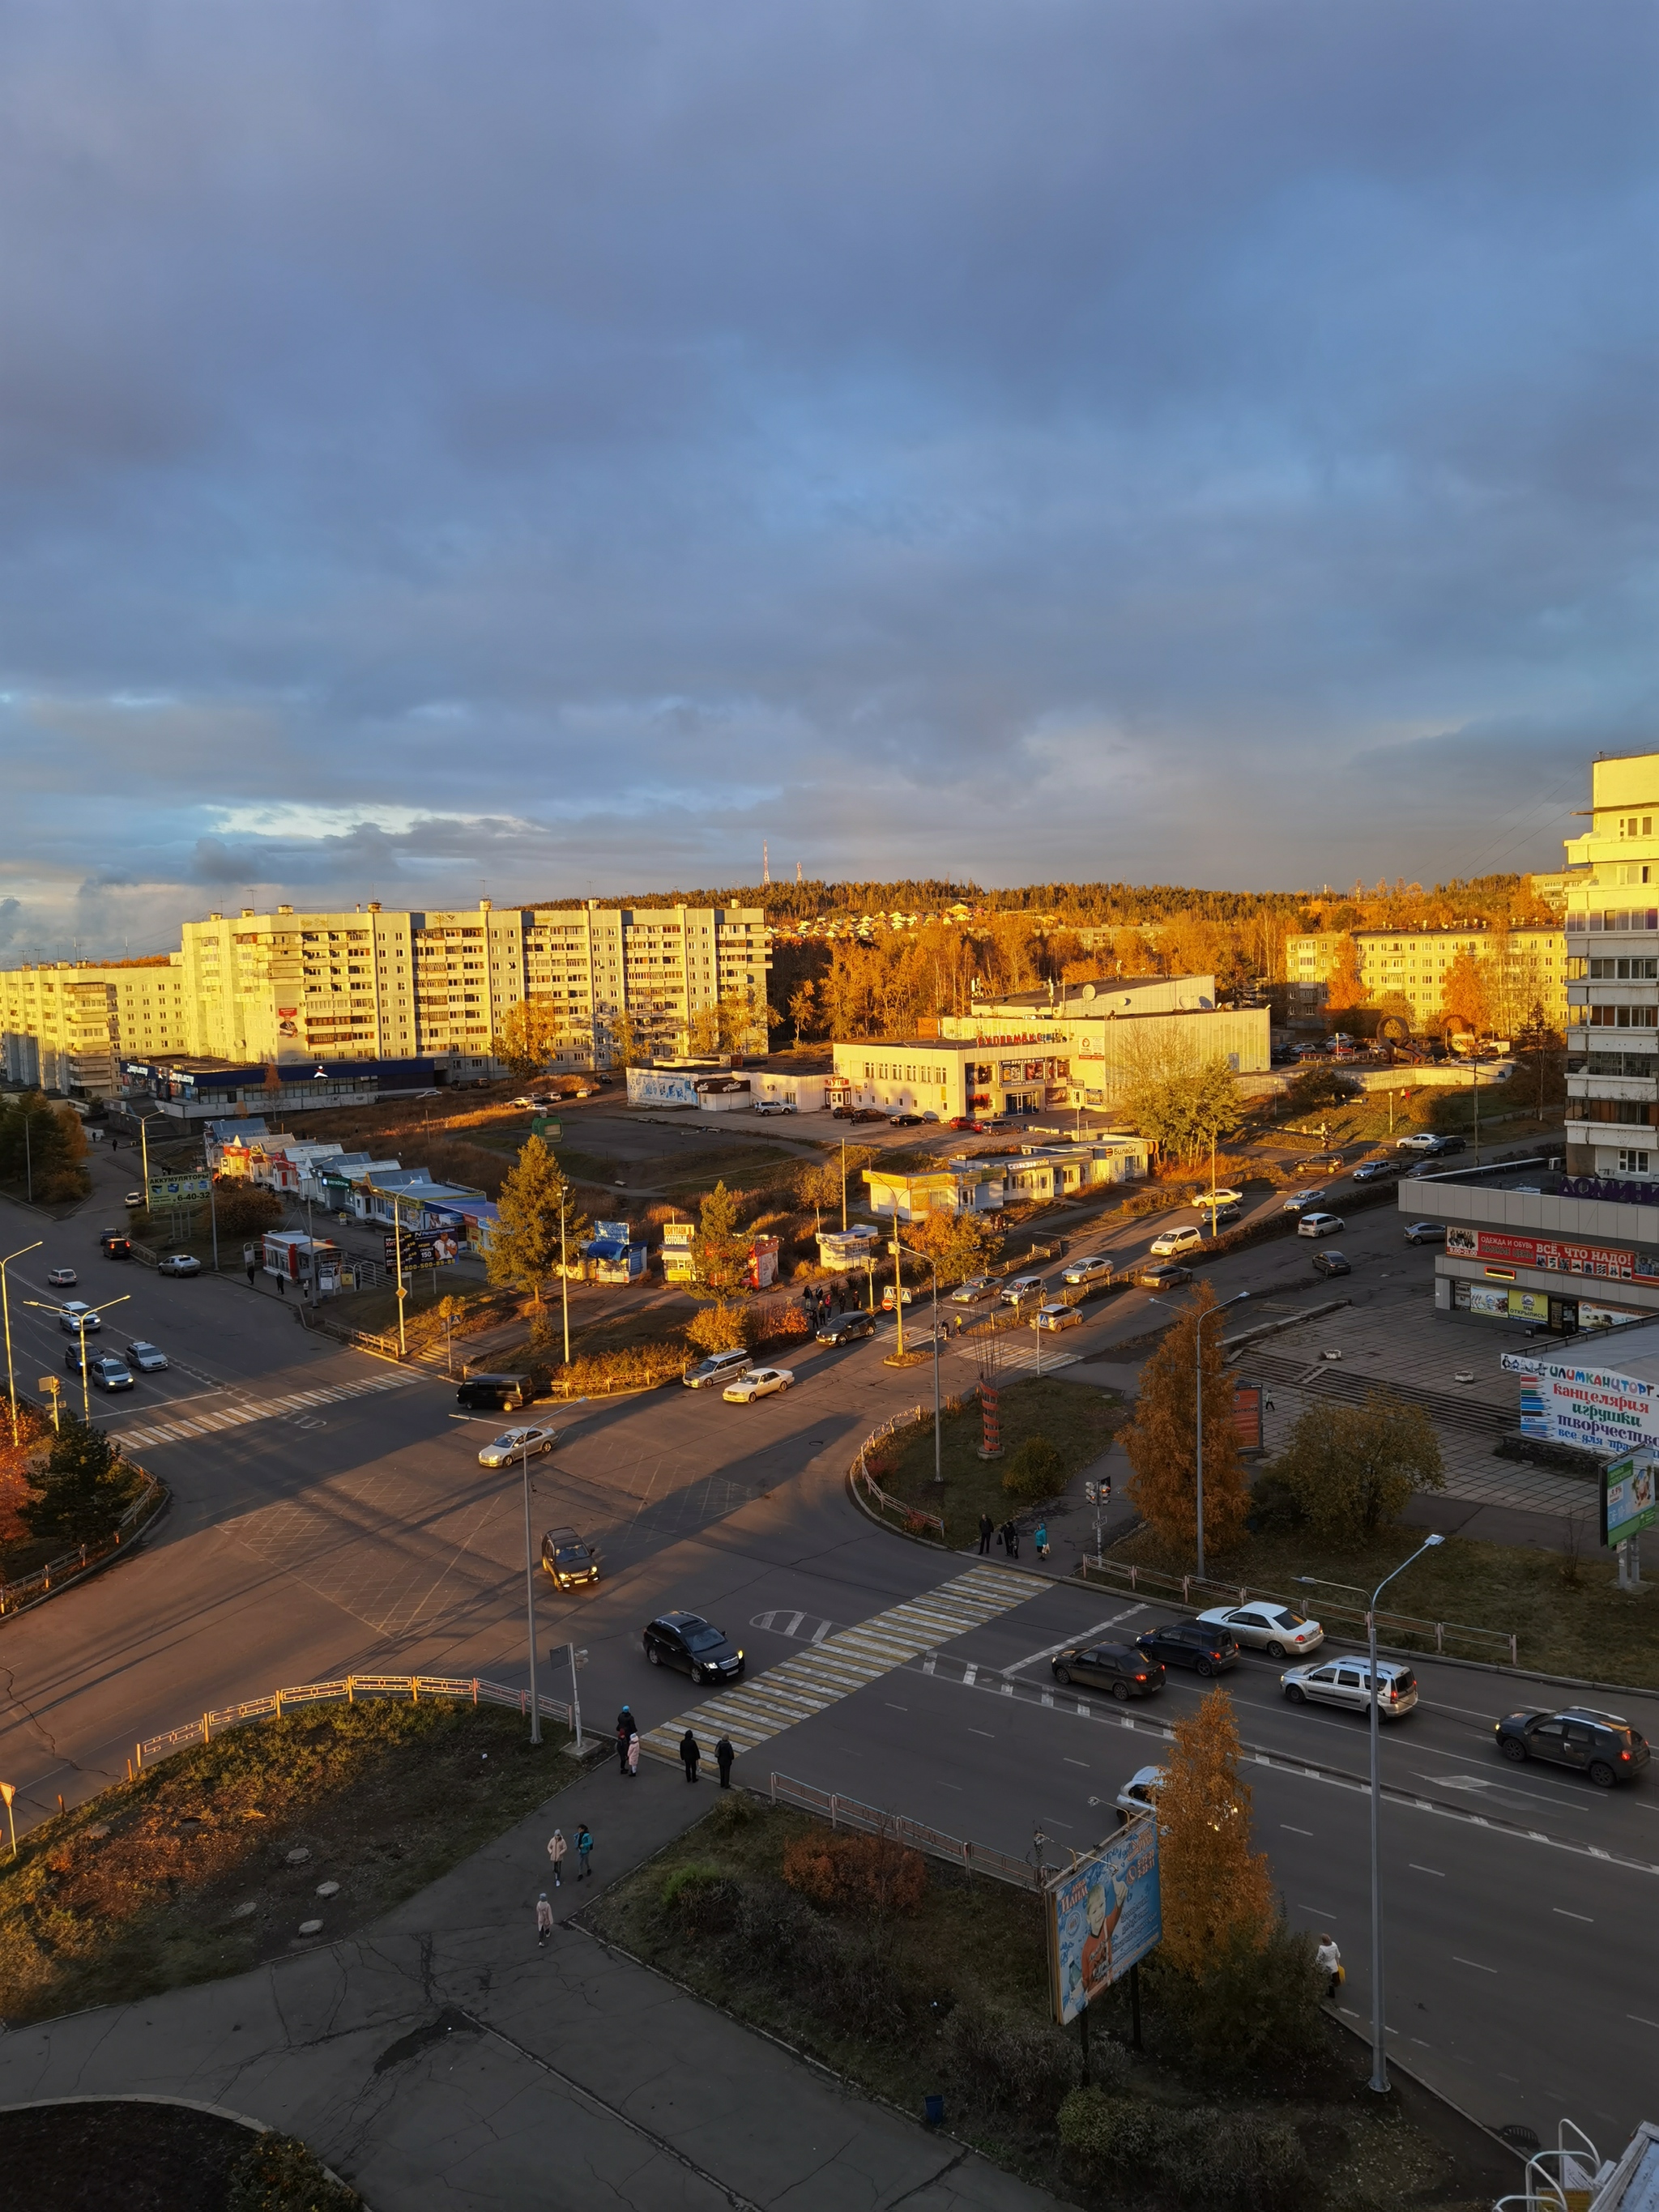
<point>890,1298</point>
<point>772,1106</point>
<point>687,1641</point>
<point>1056,1316</point>
<point>1378,1171</point>
<point>718,1367</point>
<point>1300,1200</point>
<point>513,1445</point>
<point>758,1383</point>
<point>1139,1793</point>
<point>1604,1745</point>
<point>1098,1265</point>
<point>1173,1241</point>
<point>115,1244</point>
<point>905,1121</point>
<point>1444,1147</point>
<point>1331,1263</point>
<point>1266,1626</point>
<point>1321,1163</point>
<point>62,1278</point>
<point>1194,1644</point>
<point>1347,1682</point>
<point>966,1121</point>
<point>494,1394</point>
<point>133,1198</point>
<point>526,1101</point>
<point>1425,1232</point>
<point>1321,1225</point>
<point>846,1328</point>
<point>76,1318</point>
<point>572,1564</point>
<point>1421,1141</point>
<point>1019,1288</point>
<point>145,1356</point>
<point>1118,1667</point>
<point>1162,1275</point>
<point>976,1289</point>
<point>109,1372</point>
<point>178,1263</point>
<point>1225,1217</point>
<point>1206,1199</point>
<point>868,1114</point>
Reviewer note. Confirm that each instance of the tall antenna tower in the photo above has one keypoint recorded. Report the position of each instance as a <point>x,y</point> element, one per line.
<point>766,864</point>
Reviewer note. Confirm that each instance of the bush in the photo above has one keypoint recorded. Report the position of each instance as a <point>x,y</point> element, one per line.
<point>1035,1472</point>
<point>1350,1469</point>
<point>856,1873</point>
<point>782,1324</point>
<point>1019,2066</point>
<point>244,1210</point>
<point>1257,2006</point>
<point>1111,2138</point>
<point>1274,1502</point>
<point>279,2174</point>
<point>1223,2161</point>
<point>722,1327</point>
<point>1319,1086</point>
<point>704,1899</point>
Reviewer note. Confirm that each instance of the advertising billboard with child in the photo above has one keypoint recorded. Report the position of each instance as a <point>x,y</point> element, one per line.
<point>1103,1914</point>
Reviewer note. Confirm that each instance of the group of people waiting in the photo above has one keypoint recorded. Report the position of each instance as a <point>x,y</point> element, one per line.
<point>628,1751</point>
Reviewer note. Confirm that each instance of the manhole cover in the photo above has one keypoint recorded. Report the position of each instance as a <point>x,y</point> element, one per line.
<point>1522,2137</point>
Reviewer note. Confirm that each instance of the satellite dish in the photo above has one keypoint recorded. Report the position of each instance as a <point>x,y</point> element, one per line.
<point>1088,990</point>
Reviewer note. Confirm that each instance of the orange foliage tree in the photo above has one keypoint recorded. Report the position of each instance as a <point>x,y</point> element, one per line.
<point>1345,987</point>
<point>1216,1894</point>
<point>1161,1440</point>
<point>1464,995</point>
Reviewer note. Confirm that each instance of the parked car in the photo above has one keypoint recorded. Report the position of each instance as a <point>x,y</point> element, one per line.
<point>966,1121</point>
<point>1604,1745</point>
<point>1194,1644</point>
<point>1331,1263</point>
<point>1056,1316</point>
<point>1206,1199</point>
<point>1093,1269</point>
<point>1118,1667</point>
<point>1420,1141</point>
<point>1139,1793</point>
<point>1162,1275</point>
<point>1425,1232</point>
<point>1321,1225</point>
<point>1266,1625</point>
<point>178,1263</point>
<point>572,1564</point>
<point>905,1121</point>
<point>868,1114</point>
<point>758,1383</point>
<point>513,1445</point>
<point>687,1641</point>
<point>145,1357</point>
<point>494,1394</point>
<point>718,1367</point>
<point>1300,1200</point>
<point>974,1291</point>
<point>1174,1240</point>
<point>1019,1288</point>
<point>1348,1682</point>
<point>846,1328</point>
<point>76,1318</point>
<point>890,1298</point>
<point>62,1278</point>
<point>772,1106</point>
<point>1379,1170</point>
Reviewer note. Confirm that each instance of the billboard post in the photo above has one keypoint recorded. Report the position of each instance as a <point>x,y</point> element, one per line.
<point>1628,1504</point>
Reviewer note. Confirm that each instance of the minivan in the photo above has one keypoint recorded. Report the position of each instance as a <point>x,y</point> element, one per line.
<point>494,1394</point>
<point>718,1367</point>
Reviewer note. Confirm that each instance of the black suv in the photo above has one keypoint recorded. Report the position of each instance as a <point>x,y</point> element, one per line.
<point>568,1560</point>
<point>1119,1667</point>
<point>687,1641</point>
<point>494,1394</point>
<point>115,1244</point>
<point>1601,1745</point>
<point>846,1328</point>
<point>1191,1644</point>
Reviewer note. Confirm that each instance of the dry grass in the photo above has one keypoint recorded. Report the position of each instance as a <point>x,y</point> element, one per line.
<point>1076,1418</point>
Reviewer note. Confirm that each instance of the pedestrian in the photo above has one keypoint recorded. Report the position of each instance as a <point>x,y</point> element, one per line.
<point>556,1847</point>
<point>1040,1538</point>
<point>689,1754</point>
<point>624,1729</point>
<point>282,1291</point>
<point>633,1753</point>
<point>725,1754</point>
<point>584,1850</point>
<point>987,1530</point>
<point>251,1271</point>
<point>1014,1541</point>
<point>544,1920</point>
<point>1329,1961</point>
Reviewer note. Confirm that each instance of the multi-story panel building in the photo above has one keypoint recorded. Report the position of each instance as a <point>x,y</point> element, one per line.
<point>1522,969</point>
<point>62,1025</point>
<point>1613,945</point>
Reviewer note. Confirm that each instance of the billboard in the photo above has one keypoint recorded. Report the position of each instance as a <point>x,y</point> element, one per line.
<point>1103,1915</point>
<point>1594,1407</point>
<point>422,1247</point>
<point>1628,1503</point>
<point>177,1189</point>
<point>1558,1256</point>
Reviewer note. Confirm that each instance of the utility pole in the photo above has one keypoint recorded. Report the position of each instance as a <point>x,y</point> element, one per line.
<point>397,1257</point>
<point>530,1602</point>
<point>898,1288</point>
<point>5,1304</point>
<point>564,1273</point>
<point>843,1186</point>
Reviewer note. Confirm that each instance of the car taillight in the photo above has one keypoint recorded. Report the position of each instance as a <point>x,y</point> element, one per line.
<point>1625,1755</point>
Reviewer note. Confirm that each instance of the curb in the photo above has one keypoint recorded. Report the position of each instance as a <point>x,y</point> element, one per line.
<point>1488,2136</point>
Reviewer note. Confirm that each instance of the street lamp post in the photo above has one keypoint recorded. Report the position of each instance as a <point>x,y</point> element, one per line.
<point>9,1791</point>
<point>397,1257</point>
<point>899,1289</point>
<point>5,1306</point>
<point>530,1602</point>
<point>1379,2080</point>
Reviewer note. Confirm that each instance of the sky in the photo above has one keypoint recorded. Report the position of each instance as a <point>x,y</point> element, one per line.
<point>549,450</point>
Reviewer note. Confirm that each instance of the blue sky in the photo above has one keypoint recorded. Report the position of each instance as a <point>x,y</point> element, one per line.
<point>556,448</point>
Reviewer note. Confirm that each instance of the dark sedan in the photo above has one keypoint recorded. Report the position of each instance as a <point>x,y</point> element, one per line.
<point>1192,1643</point>
<point>1162,1275</point>
<point>1119,1667</point>
<point>1330,1263</point>
<point>846,1328</point>
<point>687,1641</point>
<point>1604,1745</point>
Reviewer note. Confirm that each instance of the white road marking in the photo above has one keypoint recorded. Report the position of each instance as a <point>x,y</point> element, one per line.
<point>1289,1830</point>
<point>1435,1871</point>
<point>1562,1911</point>
<point>1475,1963</point>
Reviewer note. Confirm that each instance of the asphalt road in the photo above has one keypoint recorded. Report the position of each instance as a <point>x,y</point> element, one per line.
<point>330,1514</point>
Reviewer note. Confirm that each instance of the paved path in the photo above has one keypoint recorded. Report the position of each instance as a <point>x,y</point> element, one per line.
<point>441,2060</point>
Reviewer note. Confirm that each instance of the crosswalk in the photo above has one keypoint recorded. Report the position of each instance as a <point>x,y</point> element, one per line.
<point>300,1402</point>
<point>808,1682</point>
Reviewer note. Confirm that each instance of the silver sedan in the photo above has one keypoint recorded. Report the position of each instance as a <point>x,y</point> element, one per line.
<point>1267,1627</point>
<point>514,1444</point>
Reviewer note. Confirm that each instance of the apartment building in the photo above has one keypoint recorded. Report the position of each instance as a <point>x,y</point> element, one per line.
<point>384,984</point>
<point>1523,968</point>
<point>1613,946</point>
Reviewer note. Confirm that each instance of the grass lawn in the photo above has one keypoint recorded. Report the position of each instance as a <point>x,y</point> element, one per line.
<point>1569,1621</point>
<point>182,1875</point>
<point>1078,1420</point>
<point>888,1999</point>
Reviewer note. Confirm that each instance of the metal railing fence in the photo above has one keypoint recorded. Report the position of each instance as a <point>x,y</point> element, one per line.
<point>464,1688</point>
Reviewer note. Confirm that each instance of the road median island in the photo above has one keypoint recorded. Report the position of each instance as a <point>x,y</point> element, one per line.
<point>214,1859</point>
<point>172,2156</point>
<point>911,1980</point>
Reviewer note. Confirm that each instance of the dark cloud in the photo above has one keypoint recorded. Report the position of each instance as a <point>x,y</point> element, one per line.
<point>565,446</point>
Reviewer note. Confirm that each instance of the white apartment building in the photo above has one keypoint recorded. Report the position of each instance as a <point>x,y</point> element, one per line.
<point>1523,968</point>
<point>63,1024</point>
<point>1613,951</point>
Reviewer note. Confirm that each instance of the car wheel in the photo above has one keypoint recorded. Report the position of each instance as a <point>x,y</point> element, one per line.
<point>1296,1694</point>
<point>1275,1651</point>
<point>1063,1676</point>
<point>1601,1775</point>
<point>654,1654</point>
<point>1204,1668</point>
<point>1514,1749</point>
<point>1121,1692</point>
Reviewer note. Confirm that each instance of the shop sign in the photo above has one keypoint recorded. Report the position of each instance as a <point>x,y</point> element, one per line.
<point>1595,1409</point>
<point>1554,1254</point>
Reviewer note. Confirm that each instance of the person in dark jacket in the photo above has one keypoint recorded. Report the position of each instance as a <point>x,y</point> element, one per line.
<point>624,1729</point>
<point>689,1754</point>
<point>987,1530</point>
<point>725,1753</point>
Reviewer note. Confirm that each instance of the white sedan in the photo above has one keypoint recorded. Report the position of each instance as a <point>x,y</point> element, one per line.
<point>512,1444</point>
<point>758,1383</point>
<point>1223,1197</point>
<point>1267,1626</point>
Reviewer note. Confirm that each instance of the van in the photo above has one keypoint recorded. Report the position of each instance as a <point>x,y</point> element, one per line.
<point>718,1367</point>
<point>494,1394</point>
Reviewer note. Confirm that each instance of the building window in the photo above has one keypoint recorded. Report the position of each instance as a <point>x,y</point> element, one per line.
<point>1633,1163</point>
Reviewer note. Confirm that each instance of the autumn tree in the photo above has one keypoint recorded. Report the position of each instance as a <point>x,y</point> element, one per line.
<point>1344,987</point>
<point>525,1040</point>
<point>803,1007</point>
<point>628,1047</point>
<point>1162,1438</point>
<point>1353,1467</point>
<point>720,1249</point>
<point>1464,997</point>
<point>958,1244</point>
<point>1217,1895</point>
<point>1182,1109</point>
<point>525,1242</point>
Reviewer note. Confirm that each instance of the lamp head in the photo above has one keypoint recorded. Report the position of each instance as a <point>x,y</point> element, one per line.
<point>1429,1542</point>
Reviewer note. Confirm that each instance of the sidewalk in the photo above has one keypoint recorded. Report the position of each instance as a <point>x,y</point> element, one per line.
<point>441,2060</point>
